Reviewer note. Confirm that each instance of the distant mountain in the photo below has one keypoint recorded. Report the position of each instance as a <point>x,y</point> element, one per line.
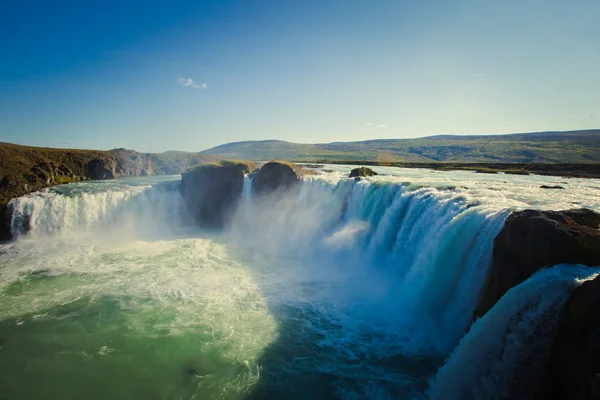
<point>547,147</point>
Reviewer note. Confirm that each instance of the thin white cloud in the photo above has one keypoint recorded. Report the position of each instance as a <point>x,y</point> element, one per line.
<point>189,82</point>
<point>185,82</point>
<point>368,123</point>
<point>382,126</point>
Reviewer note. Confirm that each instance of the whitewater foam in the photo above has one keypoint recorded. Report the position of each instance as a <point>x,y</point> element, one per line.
<point>72,208</point>
<point>504,353</point>
<point>364,286</point>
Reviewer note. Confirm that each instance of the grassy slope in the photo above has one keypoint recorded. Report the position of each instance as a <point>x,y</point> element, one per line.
<point>546,147</point>
<point>25,169</point>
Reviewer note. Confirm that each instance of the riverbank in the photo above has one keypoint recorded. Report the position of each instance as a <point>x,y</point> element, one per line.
<point>546,169</point>
<point>26,169</point>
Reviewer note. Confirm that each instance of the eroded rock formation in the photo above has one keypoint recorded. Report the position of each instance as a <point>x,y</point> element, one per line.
<point>361,172</point>
<point>273,176</point>
<point>531,240</point>
<point>212,191</point>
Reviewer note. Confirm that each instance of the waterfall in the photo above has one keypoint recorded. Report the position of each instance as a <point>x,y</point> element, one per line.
<point>385,275</point>
<point>504,352</point>
<point>96,206</point>
<point>433,246</point>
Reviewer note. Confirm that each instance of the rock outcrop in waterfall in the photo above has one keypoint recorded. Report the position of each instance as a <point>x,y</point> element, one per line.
<point>274,175</point>
<point>531,240</point>
<point>211,192</point>
<point>362,172</point>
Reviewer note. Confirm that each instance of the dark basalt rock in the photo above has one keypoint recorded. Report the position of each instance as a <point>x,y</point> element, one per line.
<point>551,187</point>
<point>574,365</point>
<point>273,176</point>
<point>101,169</point>
<point>361,172</point>
<point>531,240</point>
<point>5,234</point>
<point>313,166</point>
<point>212,191</point>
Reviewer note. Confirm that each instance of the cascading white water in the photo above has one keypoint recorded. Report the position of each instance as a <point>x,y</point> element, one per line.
<point>432,246</point>
<point>338,288</point>
<point>504,352</point>
<point>80,208</point>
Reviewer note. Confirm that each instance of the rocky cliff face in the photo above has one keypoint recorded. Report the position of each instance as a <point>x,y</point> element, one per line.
<point>574,366</point>
<point>4,224</point>
<point>29,169</point>
<point>531,240</point>
<point>211,192</point>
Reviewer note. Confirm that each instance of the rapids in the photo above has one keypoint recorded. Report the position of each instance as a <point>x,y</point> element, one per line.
<point>343,289</point>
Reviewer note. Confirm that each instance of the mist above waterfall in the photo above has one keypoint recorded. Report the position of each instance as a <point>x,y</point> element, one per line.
<point>381,239</point>
<point>335,287</point>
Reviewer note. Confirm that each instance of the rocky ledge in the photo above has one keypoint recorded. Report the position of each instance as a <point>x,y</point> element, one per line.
<point>26,169</point>
<point>531,240</point>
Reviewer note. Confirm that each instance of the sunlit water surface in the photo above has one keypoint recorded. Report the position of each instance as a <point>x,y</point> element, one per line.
<point>342,289</point>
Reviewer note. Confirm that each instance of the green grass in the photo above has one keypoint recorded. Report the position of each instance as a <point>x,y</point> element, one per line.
<point>25,169</point>
<point>546,147</point>
<point>246,166</point>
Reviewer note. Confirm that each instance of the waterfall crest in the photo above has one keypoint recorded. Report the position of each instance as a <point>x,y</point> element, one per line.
<point>431,247</point>
<point>378,273</point>
<point>98,207</point>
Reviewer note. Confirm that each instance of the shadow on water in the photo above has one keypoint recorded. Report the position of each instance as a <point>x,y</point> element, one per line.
<point>120,347</point>
<point>312,358</point>
<point>290,365</point>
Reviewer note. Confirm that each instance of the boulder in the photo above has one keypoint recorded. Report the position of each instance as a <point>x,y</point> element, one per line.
<point>551,187</point>
<point>273,176</point>
<point>212,191</point>
<point>531,240</point>
<point>574,365</point>
<point>361,172</point>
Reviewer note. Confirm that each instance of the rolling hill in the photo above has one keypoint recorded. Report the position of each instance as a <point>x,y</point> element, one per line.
<point>539,147</point>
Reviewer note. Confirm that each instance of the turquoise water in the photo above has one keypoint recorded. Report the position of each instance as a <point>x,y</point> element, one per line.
<point>162,320</point>
<point>344,289</point>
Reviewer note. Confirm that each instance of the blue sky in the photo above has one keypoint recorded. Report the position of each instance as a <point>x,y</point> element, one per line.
<point>186,75</point>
